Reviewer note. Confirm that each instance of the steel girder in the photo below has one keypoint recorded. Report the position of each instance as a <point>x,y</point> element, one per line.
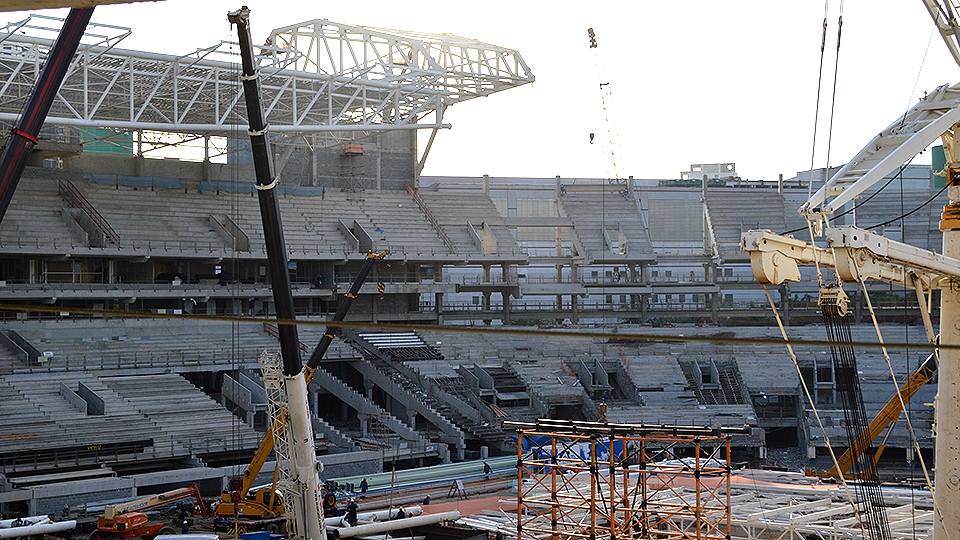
<point>321,77</point>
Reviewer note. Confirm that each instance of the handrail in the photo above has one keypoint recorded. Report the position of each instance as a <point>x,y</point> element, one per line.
<point>76,199</point>
<point>433,221</point>
<point>274,331</point>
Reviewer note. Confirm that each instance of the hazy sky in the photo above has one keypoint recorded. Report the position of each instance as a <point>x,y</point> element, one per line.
<point>690,82</point>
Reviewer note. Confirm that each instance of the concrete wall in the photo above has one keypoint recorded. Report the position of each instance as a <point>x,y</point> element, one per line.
<point>387,162</point>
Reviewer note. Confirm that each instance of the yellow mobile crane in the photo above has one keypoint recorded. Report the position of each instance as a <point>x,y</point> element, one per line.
<point>263,509</point>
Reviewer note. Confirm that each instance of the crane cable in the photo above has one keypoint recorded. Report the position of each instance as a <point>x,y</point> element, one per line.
<point>816,123</point>
<point>833,96</point>
<point>903,406</point>
<point>836,322</point>
<point>812,402</point>
<point>816,113</point>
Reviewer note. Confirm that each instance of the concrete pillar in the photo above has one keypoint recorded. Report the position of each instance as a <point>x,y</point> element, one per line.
<point>486,184</point>
<point>438,297</point>
<point>368,388</point>
<point>486,300</point>
<point>574,309</point>
<point>364,427</point>
<point>559,269</point>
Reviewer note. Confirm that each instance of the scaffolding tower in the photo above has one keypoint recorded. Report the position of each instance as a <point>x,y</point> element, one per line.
<point>590,480</point>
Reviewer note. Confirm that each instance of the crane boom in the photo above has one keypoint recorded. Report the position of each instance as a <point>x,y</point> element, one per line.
<point>304,516</point>
<point>110,511</point>
<point>226,506</point>
<point>946,20</point>
<point>342,310</point>
<point>936,114</point>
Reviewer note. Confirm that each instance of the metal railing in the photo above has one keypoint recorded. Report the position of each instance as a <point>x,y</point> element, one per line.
<point>433,221</point>
<point>76,199</point>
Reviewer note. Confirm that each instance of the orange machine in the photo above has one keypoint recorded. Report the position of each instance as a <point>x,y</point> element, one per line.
<point>123,521</point>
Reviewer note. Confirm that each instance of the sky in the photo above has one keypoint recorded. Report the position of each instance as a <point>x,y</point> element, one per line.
<point>697,81</point>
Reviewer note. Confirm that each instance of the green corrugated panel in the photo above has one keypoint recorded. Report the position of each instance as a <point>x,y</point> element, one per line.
<point>106,141</point>
<point>939,162</point>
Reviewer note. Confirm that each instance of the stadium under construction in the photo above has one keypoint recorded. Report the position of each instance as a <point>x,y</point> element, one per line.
<point>136,295</point>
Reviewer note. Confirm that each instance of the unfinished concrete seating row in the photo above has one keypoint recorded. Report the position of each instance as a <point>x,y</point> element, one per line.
<point>455,210</point>
<point>592,213</point>
<point>730,219</point>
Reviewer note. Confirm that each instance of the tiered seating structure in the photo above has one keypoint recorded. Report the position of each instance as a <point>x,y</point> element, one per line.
<point>142,346</point>
<point>400,346</point>
<point>734,211</point>
<point>598,220</point>
<point>34,222</point>
<point>457,213</point>
<point>145,417</point>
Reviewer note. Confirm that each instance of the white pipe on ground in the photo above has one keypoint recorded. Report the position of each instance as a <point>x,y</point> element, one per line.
<point>393,525</point>
<point>20,522</point>
<point>368,517</point>
<point>39,529</point>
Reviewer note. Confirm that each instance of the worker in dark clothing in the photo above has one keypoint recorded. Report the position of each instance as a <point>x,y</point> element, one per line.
<point>185,529</point>
<point>499,535</point>
<point>351,516</point>
<point>486,468</point>
<point>364,486</point>
<point>400,513</point>
<point>426,500</point>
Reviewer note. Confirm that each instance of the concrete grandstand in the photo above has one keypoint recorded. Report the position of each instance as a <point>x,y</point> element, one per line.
<point>102,400</point>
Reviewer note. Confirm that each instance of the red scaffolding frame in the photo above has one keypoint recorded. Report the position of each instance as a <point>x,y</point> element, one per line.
<point>586,480</point>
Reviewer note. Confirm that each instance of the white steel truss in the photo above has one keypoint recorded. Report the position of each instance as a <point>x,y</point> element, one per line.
<point>320,77</point>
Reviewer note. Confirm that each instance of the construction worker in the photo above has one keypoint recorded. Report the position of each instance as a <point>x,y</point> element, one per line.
<point>400,513</point>
<point>426,500</point>
<point>364,486</point>
<point>486,468</point>
<point>351,516</point>
<point>185,528</point>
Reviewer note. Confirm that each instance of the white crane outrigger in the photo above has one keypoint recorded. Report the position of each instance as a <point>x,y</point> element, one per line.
<point>857,254</point>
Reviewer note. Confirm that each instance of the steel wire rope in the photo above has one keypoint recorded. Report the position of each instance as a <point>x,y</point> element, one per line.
<point>903,403</point>
<point>833,96</point>
<point>813,405</point>
<point>864,201</point>
<point>235,325</point>
<point>905,407</point>
<point>816,110</point>
<point>910,213</point>
<point>855,417</point>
